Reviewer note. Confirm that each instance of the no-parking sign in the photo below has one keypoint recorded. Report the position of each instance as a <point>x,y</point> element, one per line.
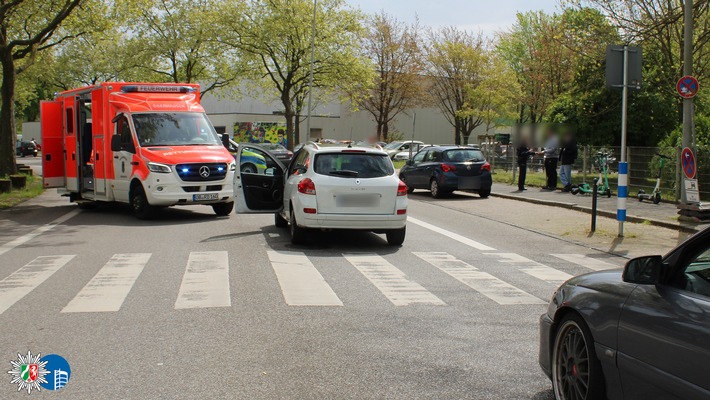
<point>688,163</point>
<point>687,87</point>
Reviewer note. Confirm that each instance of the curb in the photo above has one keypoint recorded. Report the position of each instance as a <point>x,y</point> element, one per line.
<point>588,210</point>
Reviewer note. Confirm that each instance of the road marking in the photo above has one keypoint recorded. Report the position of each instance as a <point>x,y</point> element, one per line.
<point>108,289</point>
<point>588,262</point>
<point>488,285</point>
<point>24,280</point>
<point>455,236</point>
<point>392,282</point>
<point>206,281</point>
<point>301,283</point>
<point>42,229</point>
<point>533,268</point>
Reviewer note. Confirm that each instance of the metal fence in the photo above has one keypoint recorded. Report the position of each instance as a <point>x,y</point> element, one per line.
<point>643,167</point>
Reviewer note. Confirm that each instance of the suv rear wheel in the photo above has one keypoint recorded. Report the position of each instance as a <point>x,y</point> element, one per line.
<point>223,209</point>
<point>395,237</point>
<point>298,234</point>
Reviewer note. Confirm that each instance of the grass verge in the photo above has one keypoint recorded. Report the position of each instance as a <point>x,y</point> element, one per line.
<point>33,189</point>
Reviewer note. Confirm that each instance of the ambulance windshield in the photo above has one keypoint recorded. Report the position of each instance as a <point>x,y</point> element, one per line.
<point>174,129</point>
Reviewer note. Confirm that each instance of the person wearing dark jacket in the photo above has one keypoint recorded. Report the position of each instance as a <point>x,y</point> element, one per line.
<point>523,153</point>
<point>568,154</point>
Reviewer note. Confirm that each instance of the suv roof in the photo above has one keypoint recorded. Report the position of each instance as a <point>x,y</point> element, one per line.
<point>320,147</point>
<point>452,146</point>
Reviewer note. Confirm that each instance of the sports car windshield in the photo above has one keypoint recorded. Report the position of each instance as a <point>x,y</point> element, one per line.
<point>174,129</point>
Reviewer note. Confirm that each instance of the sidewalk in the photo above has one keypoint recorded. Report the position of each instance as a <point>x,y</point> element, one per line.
<point>664,214</point>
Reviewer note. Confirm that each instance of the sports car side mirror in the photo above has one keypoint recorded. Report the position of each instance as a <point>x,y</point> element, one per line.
<point>643,270</point>
<point>410,162</point>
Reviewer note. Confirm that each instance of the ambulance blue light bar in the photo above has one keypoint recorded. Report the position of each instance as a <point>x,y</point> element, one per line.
<point>156,89</point>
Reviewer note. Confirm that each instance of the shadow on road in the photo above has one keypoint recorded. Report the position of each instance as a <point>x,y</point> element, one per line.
<point>329,243</point>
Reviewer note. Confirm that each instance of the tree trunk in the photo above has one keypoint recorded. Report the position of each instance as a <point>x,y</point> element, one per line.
<point>385,131</point>
<point>457,129</point>
<point>290,114</point>
<point>7,115</point>
<point>297,130</point>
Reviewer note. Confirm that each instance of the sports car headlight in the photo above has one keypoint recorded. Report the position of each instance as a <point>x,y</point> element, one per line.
<point>160,168</point>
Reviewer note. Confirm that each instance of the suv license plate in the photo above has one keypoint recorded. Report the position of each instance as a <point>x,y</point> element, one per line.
<point>203,197</point>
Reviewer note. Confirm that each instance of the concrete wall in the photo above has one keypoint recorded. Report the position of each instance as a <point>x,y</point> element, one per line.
<point>336,120</point>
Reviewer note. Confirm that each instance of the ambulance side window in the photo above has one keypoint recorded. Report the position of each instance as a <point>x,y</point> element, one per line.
<point>124,130</point>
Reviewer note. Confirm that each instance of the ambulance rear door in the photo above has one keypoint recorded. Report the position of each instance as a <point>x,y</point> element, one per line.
<point>51,123</point>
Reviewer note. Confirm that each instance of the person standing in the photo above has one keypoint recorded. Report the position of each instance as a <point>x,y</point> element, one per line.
<point>568,154</point>
<point>523,153</point>
<point>551,152</point>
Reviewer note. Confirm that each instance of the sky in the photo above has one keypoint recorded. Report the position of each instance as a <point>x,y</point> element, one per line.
<point>487,16</point>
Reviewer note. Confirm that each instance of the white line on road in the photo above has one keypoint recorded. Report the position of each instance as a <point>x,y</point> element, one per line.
<point>533,268</point>
<point>206,281</point>
<point>24,280</point>
<point>392,282</point>
<point>42,229</point>
<point>107,290</point>
<point>488,285</point>
<point>455,236</point>
<point>301,283</point>
<point>585,261</point>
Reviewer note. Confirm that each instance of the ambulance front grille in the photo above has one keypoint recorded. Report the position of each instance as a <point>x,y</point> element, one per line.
<point>201,172</point>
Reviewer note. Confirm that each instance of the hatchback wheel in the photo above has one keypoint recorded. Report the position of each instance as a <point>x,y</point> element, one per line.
<point>434,188</point>
<point>410,188</point>
<point>223,209</point>
<point>576,371</point>
<point>395,237</point>
<point>298,234</point>
<point>484,192</point>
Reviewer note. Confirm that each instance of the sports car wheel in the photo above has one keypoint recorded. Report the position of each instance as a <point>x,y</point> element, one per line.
<point>576,372</point>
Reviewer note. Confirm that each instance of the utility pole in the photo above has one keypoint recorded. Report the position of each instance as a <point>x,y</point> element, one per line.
<point>688,103</point>
<point>310,72</point>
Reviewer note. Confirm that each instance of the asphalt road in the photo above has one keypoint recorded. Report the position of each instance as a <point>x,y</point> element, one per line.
<point>192,306</point>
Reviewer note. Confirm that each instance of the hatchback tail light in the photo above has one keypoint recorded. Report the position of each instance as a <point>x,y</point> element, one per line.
<point>402,189</point>
<point>447,168</point>
<point>486,167</point>
<point>306,186</point>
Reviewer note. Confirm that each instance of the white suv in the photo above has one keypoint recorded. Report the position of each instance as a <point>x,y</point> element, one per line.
<point>325,187</point>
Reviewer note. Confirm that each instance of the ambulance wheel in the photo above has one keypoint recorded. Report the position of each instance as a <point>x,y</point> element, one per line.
<point>223,209</point>
<point>87,205</point>
<point>139,203</point>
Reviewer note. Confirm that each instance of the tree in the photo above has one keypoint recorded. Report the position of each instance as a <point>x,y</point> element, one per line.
<point>274,37</point>
<point>177,41</point>
<point>27,27</point>
<point>456,64</point>
<point>393,47</point>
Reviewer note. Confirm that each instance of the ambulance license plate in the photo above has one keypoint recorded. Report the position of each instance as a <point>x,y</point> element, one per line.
<point>204,197</point>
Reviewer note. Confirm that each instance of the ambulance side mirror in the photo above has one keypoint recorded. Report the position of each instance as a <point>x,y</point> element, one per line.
<point>225,140</point>
<point>116,143</point>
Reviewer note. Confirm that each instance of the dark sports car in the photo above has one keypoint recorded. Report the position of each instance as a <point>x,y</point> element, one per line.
<point>643,333</point>
<point>443,169</point>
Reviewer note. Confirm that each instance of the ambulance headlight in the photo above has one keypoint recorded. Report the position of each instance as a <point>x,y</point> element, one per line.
<point>159,168</point>
<point>233,166</point>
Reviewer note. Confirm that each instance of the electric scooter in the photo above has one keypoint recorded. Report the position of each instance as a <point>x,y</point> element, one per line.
<point>655,196</point>
<point>601,162</point>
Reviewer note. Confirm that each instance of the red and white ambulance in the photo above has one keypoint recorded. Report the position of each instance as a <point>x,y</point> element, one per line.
<point>149,145</point>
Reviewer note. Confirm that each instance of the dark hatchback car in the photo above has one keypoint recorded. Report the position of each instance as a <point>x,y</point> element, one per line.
<point>280,152</point>
<point>25,149</point>
<point>443,169</point>
<point>643,333</point>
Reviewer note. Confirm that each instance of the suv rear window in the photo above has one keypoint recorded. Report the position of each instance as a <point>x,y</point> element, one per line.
<point>461,155</point>
<point>353,165</point>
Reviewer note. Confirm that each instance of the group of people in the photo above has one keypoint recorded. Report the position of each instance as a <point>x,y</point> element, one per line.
<point>554,152</point>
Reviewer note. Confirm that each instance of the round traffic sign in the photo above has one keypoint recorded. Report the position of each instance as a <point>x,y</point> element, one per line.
<point>687,87</point>
<point>688,163</point>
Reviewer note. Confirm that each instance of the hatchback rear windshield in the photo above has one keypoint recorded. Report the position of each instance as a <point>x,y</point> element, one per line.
<point>353,165</point>
<point>461,155</point>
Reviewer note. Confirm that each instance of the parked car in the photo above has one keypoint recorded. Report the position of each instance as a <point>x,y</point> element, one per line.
<point>395,147</point>
<point>640,333</point>
<point>283,154</point>
<point>25,149</point>
<point>327,187</point>
<point>407,154</point>
<point>443,169</point>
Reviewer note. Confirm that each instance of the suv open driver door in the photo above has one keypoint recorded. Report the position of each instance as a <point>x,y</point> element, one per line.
<point>259,183</point>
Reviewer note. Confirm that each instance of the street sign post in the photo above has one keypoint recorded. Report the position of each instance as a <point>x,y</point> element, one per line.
<point>687,87</point>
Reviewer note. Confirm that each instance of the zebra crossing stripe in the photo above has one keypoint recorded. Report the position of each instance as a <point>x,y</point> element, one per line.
<point>588,262</point>
<point>533,268</point>
<point>488,285</point>
<point>38,231</point>
<point>206,281</point>
<point>392,282</point>
<point>108,289</point>
<point>300,281</point>
<point>451,235</point>
<point>24,280</point>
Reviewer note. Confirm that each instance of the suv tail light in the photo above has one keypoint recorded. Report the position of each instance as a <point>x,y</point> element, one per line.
<point>402,189</point>
<point>486,167</point>
<point>447,168</point>
<point>306,186</point>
